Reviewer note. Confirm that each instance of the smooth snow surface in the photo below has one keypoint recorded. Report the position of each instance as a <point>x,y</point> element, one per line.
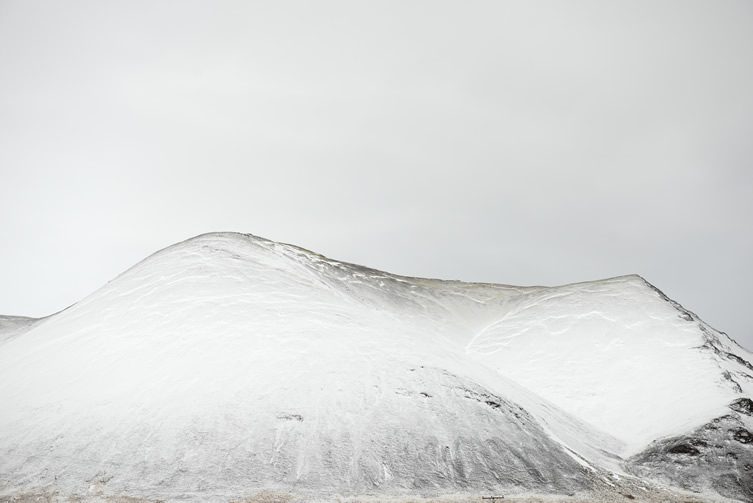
<point>615,353</point>
<point>229,361</point>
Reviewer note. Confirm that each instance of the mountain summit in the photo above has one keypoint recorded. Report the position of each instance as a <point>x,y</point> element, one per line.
<point>229,364</point>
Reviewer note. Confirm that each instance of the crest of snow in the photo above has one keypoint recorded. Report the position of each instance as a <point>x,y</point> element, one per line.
<point>615,353</point>
<point>230,360</point>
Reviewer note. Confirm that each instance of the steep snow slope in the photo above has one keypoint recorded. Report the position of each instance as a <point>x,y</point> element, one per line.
<point>229,361</point>
<point>618,354</point>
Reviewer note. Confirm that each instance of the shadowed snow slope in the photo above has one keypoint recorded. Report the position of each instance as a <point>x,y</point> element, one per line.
<point>230,362</point>
<point>12,326</point>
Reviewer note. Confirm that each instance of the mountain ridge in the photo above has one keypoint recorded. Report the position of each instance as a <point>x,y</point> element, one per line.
<point>250,363</point>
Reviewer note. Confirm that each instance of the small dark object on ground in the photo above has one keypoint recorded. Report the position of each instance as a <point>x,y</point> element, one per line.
<point>684,449</point>
<point>743,436</point>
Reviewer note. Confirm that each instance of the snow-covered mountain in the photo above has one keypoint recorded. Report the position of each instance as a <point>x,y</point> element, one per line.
<point>227,364</point>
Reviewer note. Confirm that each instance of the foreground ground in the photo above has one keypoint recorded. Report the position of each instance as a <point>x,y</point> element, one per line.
<point>652,495</point>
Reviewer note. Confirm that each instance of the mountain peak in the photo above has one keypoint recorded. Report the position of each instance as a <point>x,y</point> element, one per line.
<point>238,362</point>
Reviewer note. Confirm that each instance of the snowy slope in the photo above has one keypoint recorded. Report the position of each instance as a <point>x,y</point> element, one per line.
<point>229,361</point>
<point>589,346</point>
<point>13,326</point>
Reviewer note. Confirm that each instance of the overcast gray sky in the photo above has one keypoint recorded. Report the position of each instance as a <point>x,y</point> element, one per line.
<point>514,142</point>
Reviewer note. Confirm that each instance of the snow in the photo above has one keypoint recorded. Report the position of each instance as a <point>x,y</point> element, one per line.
<point>614,353</point>
<point>228,361</point>
<point>13,326</point>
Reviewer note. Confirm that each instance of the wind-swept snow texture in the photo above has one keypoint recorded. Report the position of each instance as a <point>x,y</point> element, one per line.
<point>228,363</point>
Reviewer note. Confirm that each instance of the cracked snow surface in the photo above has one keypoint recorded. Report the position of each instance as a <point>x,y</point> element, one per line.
<point>228,364</point>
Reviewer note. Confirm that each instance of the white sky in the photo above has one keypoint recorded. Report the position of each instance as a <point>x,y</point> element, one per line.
<point>514,142</point>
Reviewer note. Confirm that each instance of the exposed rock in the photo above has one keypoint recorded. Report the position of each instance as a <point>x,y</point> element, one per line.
<point>743,406</point>
<point>705,459</point>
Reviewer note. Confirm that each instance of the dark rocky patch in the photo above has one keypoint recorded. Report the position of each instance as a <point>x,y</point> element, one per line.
<point>497,403</point>
<point>743,406</point>
<point>735,385</point>
<point>683,448</point>
<point>742,435</point>
<point>716,455</point>
<point>712,343</point>
<point>741,361</point>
